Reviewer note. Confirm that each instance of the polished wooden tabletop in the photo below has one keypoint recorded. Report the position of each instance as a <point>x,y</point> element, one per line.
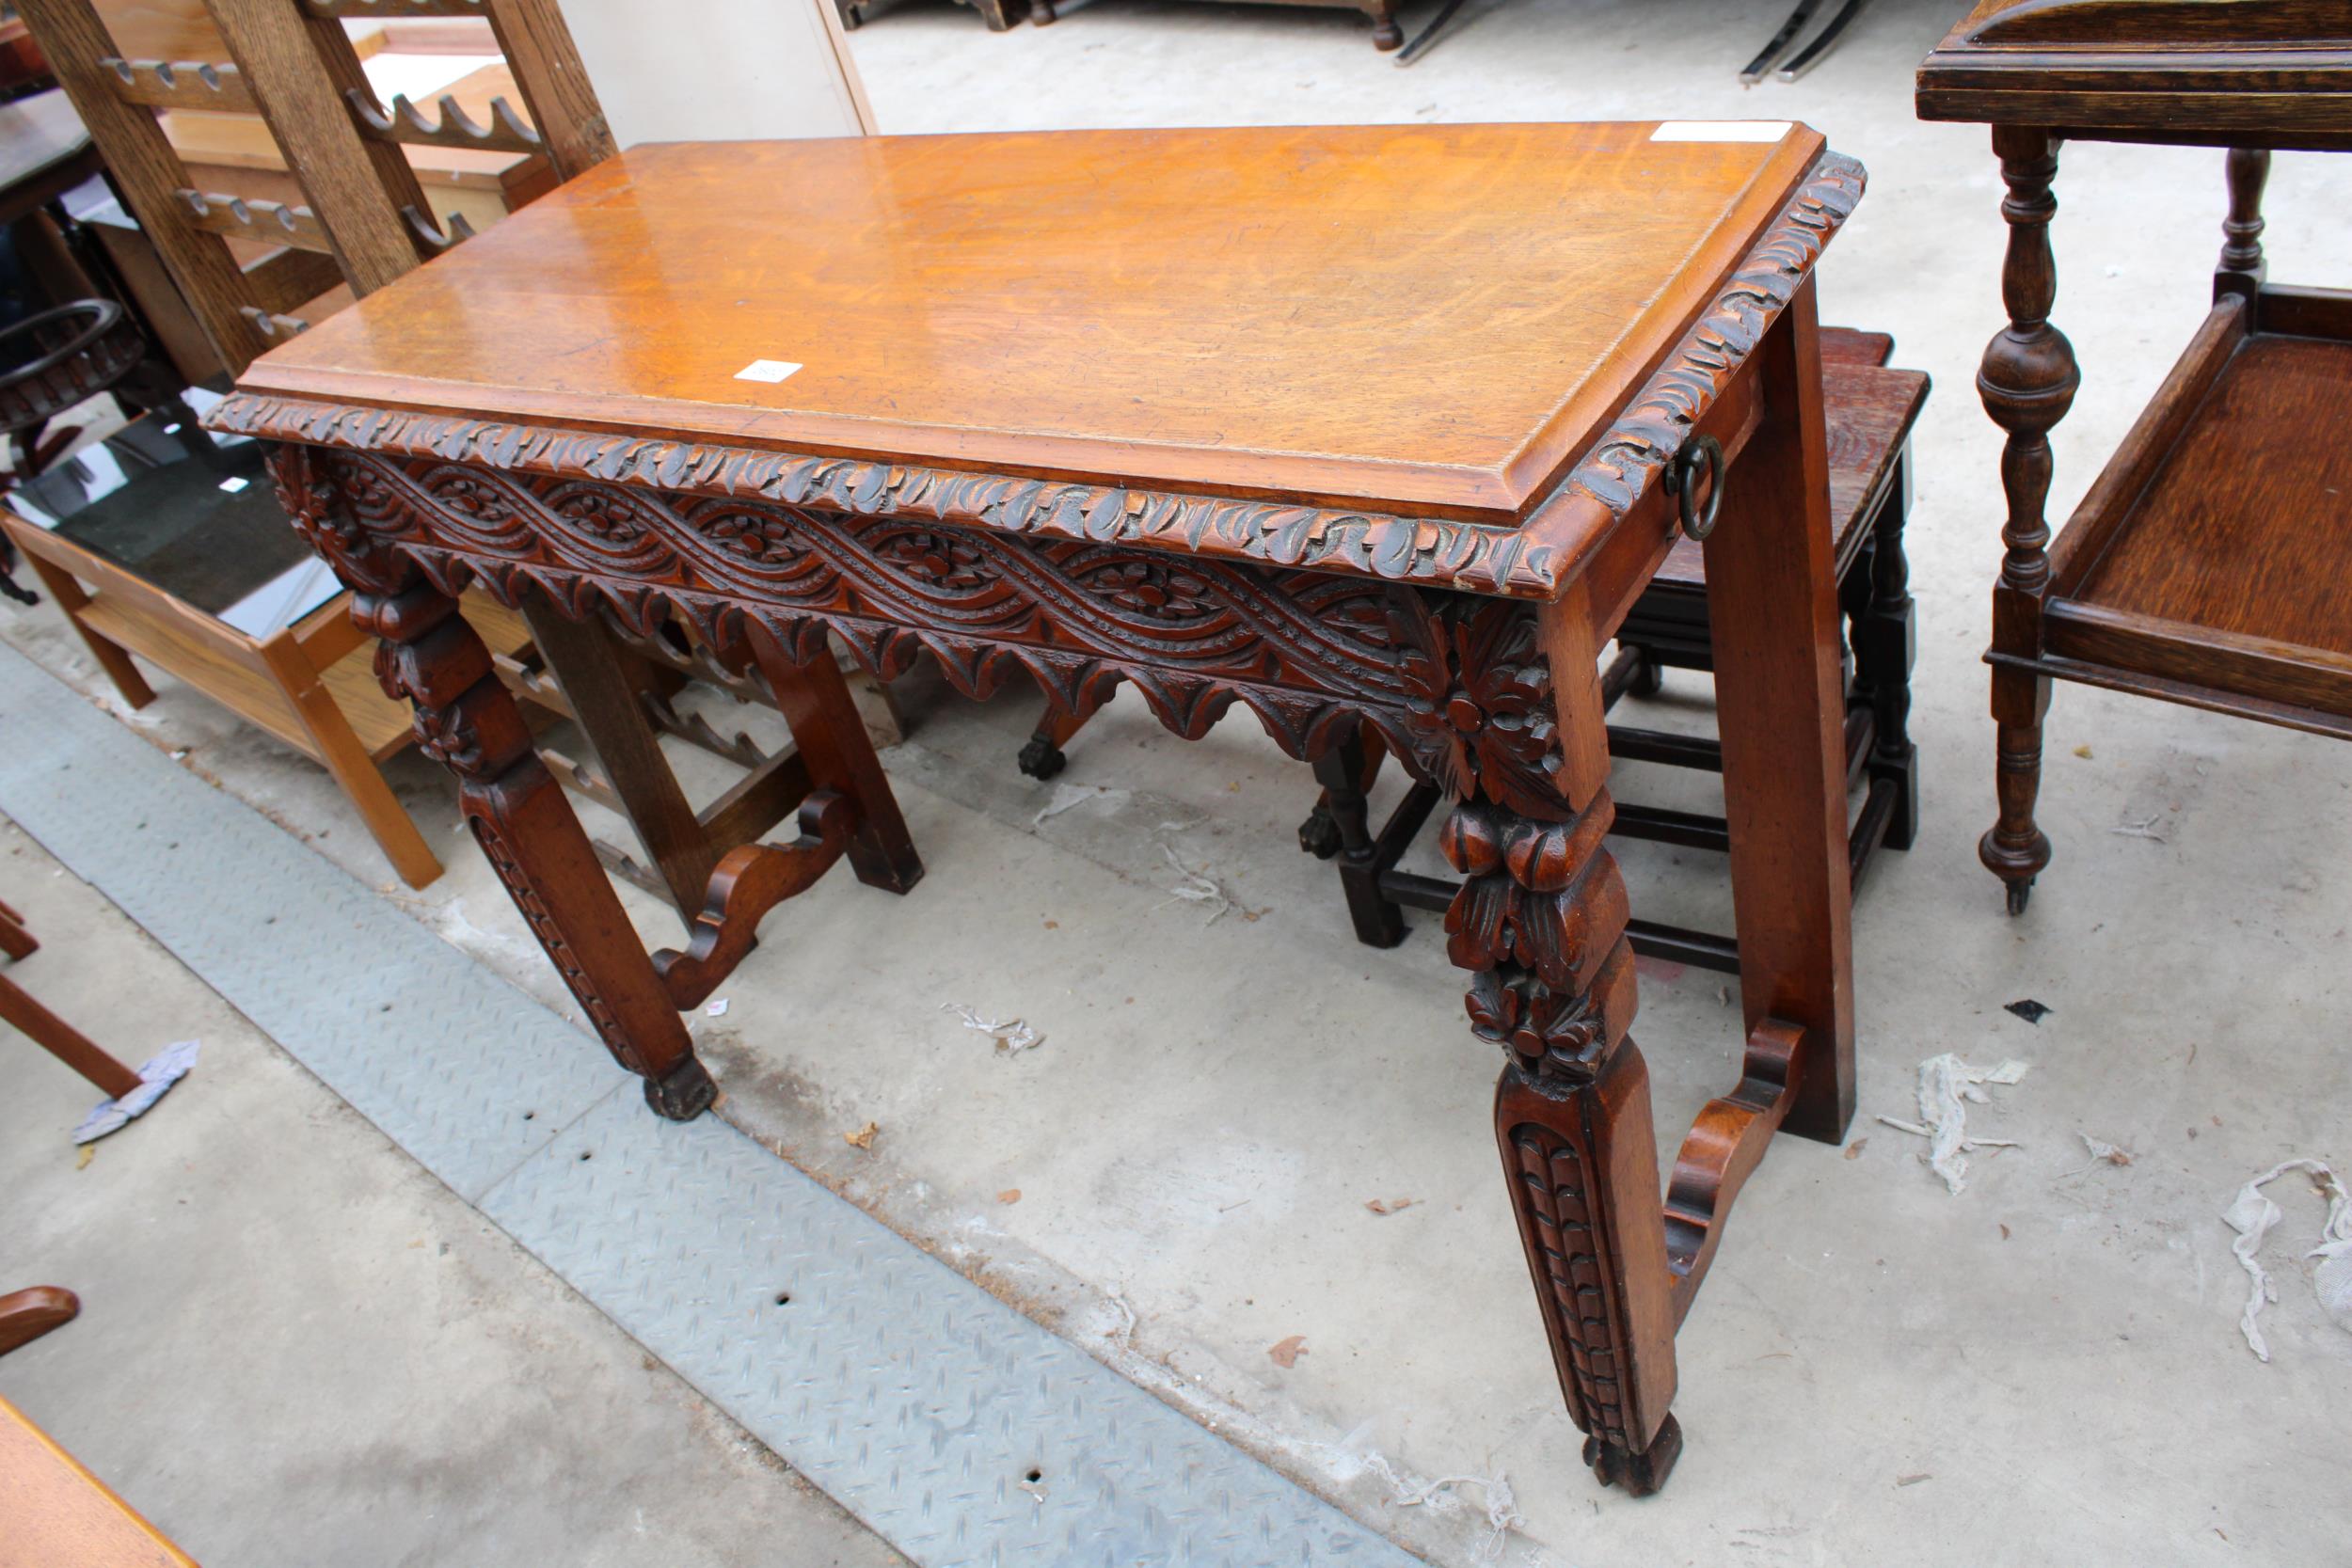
<point>1432,319</point>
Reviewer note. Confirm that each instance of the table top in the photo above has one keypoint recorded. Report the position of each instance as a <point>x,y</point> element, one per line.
<point>2248,72</point>
<point>1431,320</point>
<point>58,1511</point>
<point>190,514</point>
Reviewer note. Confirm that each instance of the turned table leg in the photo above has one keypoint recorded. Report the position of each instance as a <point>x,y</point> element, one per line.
<point>467,721</point>
<point>2027,383</point>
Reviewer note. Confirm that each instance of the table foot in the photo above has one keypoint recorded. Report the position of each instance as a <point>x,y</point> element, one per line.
<point>2014,848</point>
<point>1041,758</point>
<point>1638,1473</point>
<point>684,1093</point>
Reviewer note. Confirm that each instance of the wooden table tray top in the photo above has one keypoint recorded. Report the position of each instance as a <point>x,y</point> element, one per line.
<point>2206,565</point>
<point>1353,427</point>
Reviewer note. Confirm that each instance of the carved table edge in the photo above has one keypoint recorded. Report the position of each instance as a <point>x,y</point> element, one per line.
<point>1531,560</point>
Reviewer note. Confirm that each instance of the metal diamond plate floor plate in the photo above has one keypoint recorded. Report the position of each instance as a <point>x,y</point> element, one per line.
<point>393,1017</point>
<point>959,1430</point>
<point>919,1400</point>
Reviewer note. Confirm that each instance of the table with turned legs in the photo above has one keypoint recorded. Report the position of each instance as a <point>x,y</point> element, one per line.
<point>1181,410</point>
<point>2206,565</point>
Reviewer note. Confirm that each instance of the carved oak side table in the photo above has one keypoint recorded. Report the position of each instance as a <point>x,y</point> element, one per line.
<point>1177,408</point>
<point>2207,564</point>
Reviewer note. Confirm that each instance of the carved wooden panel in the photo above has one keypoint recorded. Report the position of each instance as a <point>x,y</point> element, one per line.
<point>1452,683</point>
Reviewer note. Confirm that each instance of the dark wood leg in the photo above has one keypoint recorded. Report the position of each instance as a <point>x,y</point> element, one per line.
<point>1781,707</point>
<point>1041,758</point>
<point>832,737</point>
<point>1886,644</point>
<point>1343,772</point>
<point>604,686</point>
<point>1386,34</point>
<point>2027,383</point>
<point>63,1041</point>
<point>26,1315</point>
<point>1319,834</point>
<point>469,722</point>
<point>2242,268</point>
<point>1540,922</point>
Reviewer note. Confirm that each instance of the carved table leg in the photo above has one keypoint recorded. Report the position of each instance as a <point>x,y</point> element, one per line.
<point>467,720</point>
<point>2027,383</point>
<point>1540,922</point>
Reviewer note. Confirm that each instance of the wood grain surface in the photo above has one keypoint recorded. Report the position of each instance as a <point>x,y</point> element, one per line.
<point>1437,319</point>
<point>54,1514</point>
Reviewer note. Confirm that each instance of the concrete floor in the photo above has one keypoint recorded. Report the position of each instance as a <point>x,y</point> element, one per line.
<point>2046,1368</point>
<point>296,1347</point>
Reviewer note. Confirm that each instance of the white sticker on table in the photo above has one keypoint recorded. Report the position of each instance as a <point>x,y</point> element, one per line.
<point>766,370</point>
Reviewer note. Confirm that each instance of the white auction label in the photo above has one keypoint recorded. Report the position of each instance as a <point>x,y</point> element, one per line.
<point>766,370</point>
<point>1721,130</point>
<point>233,486</point>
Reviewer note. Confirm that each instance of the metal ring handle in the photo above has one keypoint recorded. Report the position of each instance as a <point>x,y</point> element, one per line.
<point>1682,478</point>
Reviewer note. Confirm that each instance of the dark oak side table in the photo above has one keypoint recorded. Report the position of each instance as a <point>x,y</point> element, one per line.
<point>1175,408</point>
<point>2207,564</point>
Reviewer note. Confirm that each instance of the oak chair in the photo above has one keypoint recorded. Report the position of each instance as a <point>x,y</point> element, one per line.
<point>1870,409</point>
<point>367,220</point>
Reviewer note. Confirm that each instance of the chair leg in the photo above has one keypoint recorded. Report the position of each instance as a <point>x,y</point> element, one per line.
<point>26,1315</point>
<point>65,1042</point>
<point>15,940</point>
<point>1343,771</point>
<point>1885,642</point>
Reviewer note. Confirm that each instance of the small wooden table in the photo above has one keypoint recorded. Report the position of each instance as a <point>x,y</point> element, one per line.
<point>1179,408</point>
<point>2207,565</point>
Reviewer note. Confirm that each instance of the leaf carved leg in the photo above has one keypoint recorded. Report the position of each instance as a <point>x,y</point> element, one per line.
<point>1540,920</point>
<point>467,721</point>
